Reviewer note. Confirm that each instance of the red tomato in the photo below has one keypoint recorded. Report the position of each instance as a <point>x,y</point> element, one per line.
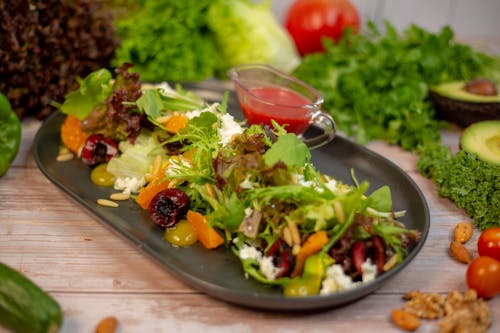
<point>483,275</point>
<point>488,243</point>
<point>308,21</point>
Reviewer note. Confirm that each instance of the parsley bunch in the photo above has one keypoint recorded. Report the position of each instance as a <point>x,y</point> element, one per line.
<point>376,85</point>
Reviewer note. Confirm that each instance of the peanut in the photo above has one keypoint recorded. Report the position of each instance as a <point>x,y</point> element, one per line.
<point>405,320</point>
<point>463,232</point>
<point>460,252</point>
<point>107,325</point>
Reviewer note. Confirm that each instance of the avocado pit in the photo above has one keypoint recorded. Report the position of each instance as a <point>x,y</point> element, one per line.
<point>465,103</point>
<point>481,87</point>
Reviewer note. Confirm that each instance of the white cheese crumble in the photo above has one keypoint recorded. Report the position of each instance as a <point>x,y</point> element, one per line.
<point>337,187</point>
<point>267,268</point>
<point>129,184</point>
<point>336,280</point>
<point>369,271</point>
<point>266,264</point>
<point>250,252</point>
<point>228,128</point>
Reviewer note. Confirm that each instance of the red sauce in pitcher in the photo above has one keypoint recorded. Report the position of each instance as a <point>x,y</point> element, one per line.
<point>280,104</point>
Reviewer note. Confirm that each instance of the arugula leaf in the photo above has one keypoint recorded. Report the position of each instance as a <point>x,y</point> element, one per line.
<point>93,90</point>
<point>229,214</point>
<point>380,199</point>
<point>288,149</point>
<point>151,104</point>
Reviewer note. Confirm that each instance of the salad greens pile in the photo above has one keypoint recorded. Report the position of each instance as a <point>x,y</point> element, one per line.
<point>376,85</point>
<point>257,188</point>
<point>193,40</point>
<point>469,182</point>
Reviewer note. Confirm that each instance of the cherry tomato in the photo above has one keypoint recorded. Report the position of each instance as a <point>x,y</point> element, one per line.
<point>483,275</point>
<point>488,243</point>
<point>308,21</point>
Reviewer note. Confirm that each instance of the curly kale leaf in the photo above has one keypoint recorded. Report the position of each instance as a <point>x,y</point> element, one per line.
<point>472,184</point>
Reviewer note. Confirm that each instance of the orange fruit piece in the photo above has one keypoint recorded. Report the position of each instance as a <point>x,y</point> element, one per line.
<point>72,134</point>
<point>176,123</point>
<point>147,193</point>
<point>207,236</point>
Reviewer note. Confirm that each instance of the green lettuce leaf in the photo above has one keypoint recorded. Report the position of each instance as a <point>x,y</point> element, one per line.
<point>93,90</point>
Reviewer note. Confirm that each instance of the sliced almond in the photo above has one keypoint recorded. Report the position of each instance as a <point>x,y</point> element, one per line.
<point>463,232</point>
<point>460,252</point>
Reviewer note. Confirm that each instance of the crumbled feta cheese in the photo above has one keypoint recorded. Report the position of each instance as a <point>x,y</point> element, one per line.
<point>337,187</point>
<point>266,264</point>
<point>267,268</point>
<point>228,128</point>
<point>193,114</point>
<point>129,184</point>
<point>248,211</point>
<point>301,181</point>
<point>250,252</point>
<point>369,271</point>
<point>336,280</point>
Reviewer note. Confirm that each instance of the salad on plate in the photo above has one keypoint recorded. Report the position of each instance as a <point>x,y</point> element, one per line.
<point>205,178</point>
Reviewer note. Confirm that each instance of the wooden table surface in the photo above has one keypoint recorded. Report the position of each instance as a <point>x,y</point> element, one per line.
<point>93,273</point>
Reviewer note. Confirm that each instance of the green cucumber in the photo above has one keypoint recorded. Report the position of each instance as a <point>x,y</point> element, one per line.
<point>24,307</point>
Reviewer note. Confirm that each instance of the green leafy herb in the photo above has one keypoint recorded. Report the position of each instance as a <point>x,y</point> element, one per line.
<point>93,90</point>
<point>470,183</point>
<point>192,40</point>
<point>381,199</point>
<point>376,85</point>
<point>288,149</point>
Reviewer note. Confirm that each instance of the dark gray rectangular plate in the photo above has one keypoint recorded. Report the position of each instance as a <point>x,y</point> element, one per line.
<point>218,273</point>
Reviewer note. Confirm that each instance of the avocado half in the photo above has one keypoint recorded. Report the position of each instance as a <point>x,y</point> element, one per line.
<point>455,104</point>
<point>483,139</point>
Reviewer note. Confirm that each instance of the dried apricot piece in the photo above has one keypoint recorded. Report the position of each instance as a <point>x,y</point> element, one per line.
<point>176,122</point>
<point>463,232</point>
<point>405,320</point>
<point>72,135</point>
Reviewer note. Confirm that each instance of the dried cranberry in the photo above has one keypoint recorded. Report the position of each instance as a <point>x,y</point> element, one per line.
<point>98,149</point>
<point>282,257</point>
<point>168,207</point>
